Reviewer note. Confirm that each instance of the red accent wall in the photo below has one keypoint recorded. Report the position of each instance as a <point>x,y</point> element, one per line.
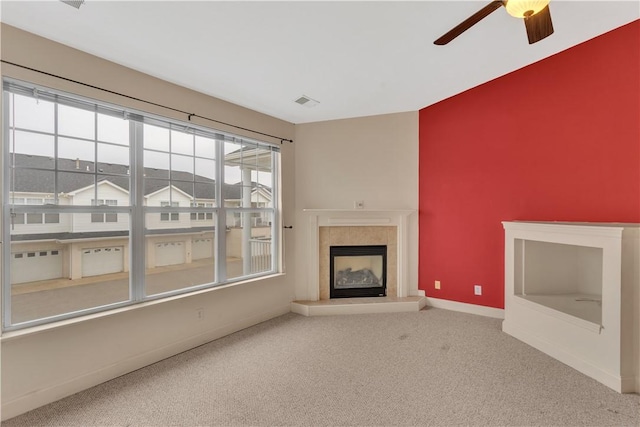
<point>558,140</point>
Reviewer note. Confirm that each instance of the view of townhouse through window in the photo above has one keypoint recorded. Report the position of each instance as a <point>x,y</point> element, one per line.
<point>204,214</point>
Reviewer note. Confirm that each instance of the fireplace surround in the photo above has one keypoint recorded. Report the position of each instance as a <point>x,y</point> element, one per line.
<point>356,227</point>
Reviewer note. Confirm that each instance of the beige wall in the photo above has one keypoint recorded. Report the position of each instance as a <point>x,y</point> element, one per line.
<point>46,363</point>
<point>372,159</point>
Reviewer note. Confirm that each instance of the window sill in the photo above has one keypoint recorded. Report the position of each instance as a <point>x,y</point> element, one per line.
<point>14,334</point>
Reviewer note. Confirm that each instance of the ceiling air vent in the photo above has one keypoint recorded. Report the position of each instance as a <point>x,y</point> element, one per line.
<point>74,3</point>
<point>306,101</point>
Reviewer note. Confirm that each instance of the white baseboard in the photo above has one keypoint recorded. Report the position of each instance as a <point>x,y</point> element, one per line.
<point>56,392</point>
<point>481,310</point>
<point>617,383</point>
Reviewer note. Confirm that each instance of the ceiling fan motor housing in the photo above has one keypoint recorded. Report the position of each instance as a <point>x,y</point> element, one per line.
<point>525,8</point>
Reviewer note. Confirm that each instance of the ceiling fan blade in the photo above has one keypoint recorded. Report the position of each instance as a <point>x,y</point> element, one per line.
<point>539,25</point>
<point>468,23</point>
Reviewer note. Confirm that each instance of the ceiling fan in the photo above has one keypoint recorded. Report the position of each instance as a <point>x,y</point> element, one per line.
<point>537,19</point>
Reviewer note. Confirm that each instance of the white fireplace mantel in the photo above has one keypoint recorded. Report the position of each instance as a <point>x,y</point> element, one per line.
<point>353,218</point>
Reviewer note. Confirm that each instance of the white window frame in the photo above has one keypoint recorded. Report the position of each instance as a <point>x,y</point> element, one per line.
<point>97,218</point>
<point>137,210</point>
<point>44,218</point>
<point>201,216</point>
<point>169,216</point>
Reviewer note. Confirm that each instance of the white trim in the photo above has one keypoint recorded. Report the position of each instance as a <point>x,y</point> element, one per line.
<point>357,217</point>
<point>313,268</point>
<point>261,190</point>
<point>172,187</point>
<point>383,212</point>
<point>104,182</point>
<point>359,221</point>
<point>560,231</point>
<point>464,307</point>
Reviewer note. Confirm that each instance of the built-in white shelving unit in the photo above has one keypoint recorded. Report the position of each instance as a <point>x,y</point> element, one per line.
<point>572,290</point>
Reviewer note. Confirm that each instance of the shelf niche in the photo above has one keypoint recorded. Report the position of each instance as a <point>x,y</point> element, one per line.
<point>572,290</point>
<point>567,278</point>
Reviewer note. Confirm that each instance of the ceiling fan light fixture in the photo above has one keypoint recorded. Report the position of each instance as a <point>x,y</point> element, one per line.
<point>534,13</point>
<point>525,8</point>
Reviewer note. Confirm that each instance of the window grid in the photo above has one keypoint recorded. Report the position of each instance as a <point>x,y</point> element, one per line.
<point>33,218</point>
<point>169,216</point>
<point>104,217</point>
<point>56,168</point>
<point>197,163</point>
<point>201,216</point>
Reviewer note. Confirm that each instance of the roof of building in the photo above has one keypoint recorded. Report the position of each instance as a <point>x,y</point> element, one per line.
<point>77,174</point>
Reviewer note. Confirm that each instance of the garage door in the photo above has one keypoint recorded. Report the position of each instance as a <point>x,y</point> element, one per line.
<point>170,253</point>
<point>98,261</point>
<point>202,248</point>
<point>35,265</point>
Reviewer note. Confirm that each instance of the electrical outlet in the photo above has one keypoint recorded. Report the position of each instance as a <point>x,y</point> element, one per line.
<point>200,313</point>
<point>477,289</point>
<point>358,204</point>
<point>437,284</point>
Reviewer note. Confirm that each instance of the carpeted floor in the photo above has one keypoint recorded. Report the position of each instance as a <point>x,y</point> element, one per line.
<point>434,367</point>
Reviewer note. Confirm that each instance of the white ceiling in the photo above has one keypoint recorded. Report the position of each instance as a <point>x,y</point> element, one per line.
<point>356,58</point>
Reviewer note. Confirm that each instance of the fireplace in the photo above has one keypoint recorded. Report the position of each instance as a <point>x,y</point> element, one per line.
<point>356,227</point>
<point>358,271</point>
<point>327,228</point>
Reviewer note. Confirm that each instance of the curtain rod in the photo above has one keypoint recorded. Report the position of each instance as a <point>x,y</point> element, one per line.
<point>189,115</point>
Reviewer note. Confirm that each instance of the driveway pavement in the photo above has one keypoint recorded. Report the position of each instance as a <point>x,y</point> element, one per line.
<point>52,297</point>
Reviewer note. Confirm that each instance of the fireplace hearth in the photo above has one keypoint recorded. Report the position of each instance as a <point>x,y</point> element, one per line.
<point>358,271</point>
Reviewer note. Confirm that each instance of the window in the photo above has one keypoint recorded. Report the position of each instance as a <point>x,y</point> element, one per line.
<point>201,216</point>
<point>104,217</point>
<point>166,216</point>
<point>33,218</point>
<point>53,218</point>
<point>17,219</point>
<point>70,170</point>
